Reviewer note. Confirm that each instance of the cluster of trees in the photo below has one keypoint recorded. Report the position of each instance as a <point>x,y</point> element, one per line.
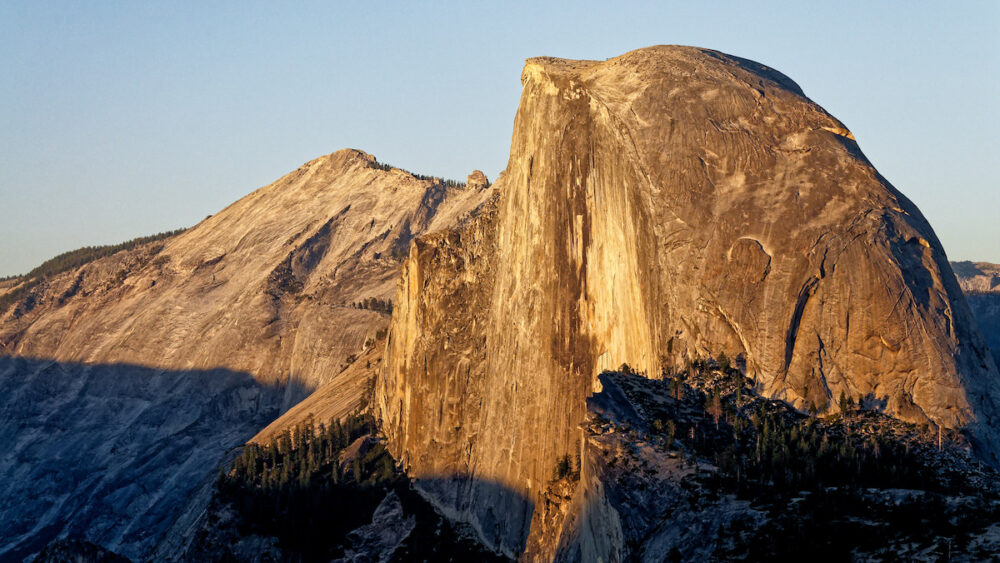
<point>666,429</point>
<point>298,489</point>
<point>282,280</point>
<point>782,450</point>
<point>302,489</point>
<point>760,444</point>
<point>454,184</point>
<point>813,474</point>
<point>81,256</point>
<point>566,469</point>
<point>72,260</point>
<point>374,304</point>
<point>308,452</point>
<point>446,183</point>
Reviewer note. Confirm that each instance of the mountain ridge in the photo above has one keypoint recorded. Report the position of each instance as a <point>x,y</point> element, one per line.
<point>263,295</point>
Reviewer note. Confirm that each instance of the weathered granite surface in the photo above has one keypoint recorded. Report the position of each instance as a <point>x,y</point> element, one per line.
<point>667,204</point>
<point>126,381</point>
<point>265,286</point>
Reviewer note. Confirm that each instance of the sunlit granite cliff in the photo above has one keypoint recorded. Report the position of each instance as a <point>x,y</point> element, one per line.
<point>662,206</point>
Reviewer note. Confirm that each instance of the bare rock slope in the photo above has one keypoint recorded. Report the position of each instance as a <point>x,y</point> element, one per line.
<point>265,286</point>
<point>126,381</point>
<point>347,393</point>
<point>668,204</point>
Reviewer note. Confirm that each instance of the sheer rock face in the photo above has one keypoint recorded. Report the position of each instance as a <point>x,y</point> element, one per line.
<point>667,204</point>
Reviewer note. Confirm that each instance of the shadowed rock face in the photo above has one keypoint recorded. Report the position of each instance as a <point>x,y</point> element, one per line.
<point>667,204</point>
<point>119,454</point>
<point>348,392</point>
<point>981,283</point>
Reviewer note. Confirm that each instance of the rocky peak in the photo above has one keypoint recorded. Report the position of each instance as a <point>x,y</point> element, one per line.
<point>659,207</point>
<point>350,155</point>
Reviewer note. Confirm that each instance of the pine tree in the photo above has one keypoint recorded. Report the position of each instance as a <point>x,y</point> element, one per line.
<point>723,361</point>
<point>676,388</point>
<point>713,405</point>
<point>669,430</point>
<point>844,405</point>
<point>563,467</point>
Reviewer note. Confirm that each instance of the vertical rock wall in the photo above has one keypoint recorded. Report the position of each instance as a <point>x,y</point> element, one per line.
<point>664,205</point>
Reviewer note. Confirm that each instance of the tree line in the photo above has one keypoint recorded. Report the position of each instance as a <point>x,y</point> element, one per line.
<point>374,304</point>
<point>297,487</point>
<point>446,183</point>
<point>72,260</point>
<point>714,413</point>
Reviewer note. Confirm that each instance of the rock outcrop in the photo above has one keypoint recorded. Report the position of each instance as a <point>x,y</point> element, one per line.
<point>660,478</point>
<point>379,540</point>
<point>477,180</point>
<point>126,381</point>
<point>665,205</point>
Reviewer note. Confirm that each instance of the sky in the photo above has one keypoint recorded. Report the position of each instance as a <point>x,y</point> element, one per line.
<point>122,119</point>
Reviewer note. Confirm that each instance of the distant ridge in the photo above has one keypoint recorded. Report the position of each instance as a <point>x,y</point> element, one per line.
<point>981,283</point>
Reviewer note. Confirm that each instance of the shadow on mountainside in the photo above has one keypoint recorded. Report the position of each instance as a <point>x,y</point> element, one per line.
<point>117,454</point>
<point>967,269</point>
<point>334,492</point>
<point>497,516</point>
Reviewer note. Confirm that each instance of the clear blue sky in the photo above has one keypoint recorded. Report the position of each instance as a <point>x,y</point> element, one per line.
<point>120,119</point>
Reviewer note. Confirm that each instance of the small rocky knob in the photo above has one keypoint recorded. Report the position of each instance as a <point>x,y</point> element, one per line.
<point>477,180</point>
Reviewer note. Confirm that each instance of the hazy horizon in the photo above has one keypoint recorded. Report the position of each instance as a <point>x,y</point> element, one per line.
<point>125,120</point>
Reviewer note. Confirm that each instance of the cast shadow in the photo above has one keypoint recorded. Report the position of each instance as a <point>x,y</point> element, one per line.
<point>115,453</point>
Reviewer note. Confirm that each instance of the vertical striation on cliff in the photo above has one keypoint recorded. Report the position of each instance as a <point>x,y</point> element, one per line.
<point>668,204</point>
